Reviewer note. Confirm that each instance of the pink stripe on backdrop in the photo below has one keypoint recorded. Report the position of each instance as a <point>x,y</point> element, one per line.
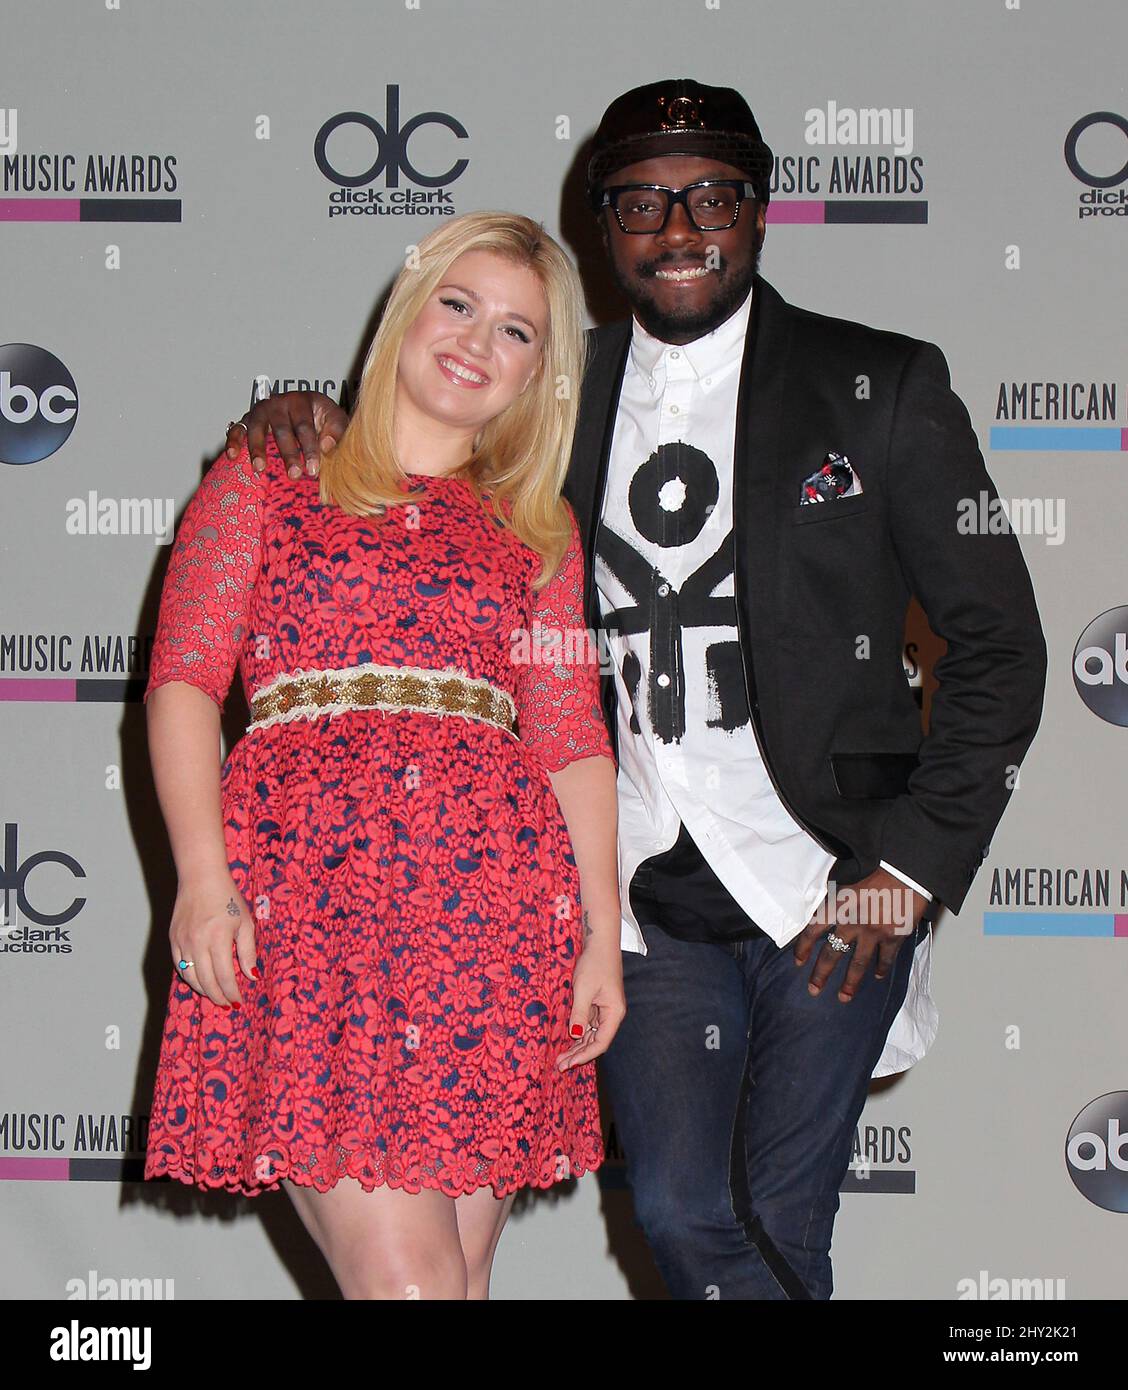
<point>39,209</point>
<point>34,1169</point>
<point>40,692</point>
<point>1123,433</point>
<point>1120,924</point>
<point>809,211</point>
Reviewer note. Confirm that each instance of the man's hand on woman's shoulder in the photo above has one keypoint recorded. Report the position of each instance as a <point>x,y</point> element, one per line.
<point>305,424</point>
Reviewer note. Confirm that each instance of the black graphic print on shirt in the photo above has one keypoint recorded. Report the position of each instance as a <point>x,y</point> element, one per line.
<point>670,499</point>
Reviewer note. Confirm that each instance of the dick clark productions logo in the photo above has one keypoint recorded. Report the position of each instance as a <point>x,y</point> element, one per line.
<point>1096,1151</point>
<point>1100,666</point>
<point>38,403</point>
<point>391,140</point>
<point>1105,197</point>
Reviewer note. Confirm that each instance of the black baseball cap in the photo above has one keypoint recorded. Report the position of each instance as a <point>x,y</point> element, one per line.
<point>679,116</point>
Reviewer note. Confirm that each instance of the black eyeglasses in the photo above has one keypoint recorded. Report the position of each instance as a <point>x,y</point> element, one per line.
<point>644,208</point>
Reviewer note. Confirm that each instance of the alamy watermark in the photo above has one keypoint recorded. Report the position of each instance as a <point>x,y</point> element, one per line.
<point>1024,516</point>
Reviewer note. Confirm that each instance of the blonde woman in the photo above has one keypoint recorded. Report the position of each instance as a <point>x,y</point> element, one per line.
<point>396,932</point>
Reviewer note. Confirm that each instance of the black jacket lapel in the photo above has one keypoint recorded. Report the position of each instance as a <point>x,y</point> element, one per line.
<point>757,459</point>
<point>595,429</point>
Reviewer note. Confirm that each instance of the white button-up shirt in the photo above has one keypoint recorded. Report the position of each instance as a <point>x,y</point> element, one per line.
<point>664,574</point>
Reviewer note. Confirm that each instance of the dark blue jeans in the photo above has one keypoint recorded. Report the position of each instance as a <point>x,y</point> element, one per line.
<point>735,1093</point>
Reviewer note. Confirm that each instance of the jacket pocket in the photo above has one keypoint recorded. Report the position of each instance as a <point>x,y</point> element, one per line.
<point>872,775</point>
<point>837,510</point>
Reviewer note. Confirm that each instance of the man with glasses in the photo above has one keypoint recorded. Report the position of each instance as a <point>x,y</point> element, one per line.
<point>761,489</point>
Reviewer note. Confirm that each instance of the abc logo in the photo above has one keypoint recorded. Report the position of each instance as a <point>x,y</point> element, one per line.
<point>1100,666</point>
<point>38,403</point>
<point>1096,1152</point>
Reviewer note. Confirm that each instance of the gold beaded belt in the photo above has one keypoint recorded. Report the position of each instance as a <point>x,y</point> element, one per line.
<point>307,694</point>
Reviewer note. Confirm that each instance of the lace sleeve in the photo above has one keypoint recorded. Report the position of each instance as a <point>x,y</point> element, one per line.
<point>211,576</point>
<point>559,713</point>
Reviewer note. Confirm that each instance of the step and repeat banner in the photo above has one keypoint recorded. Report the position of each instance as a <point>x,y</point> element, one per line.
<point>196,197</point>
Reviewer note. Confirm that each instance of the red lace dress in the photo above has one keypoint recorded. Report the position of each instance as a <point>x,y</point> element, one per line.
<point>410,875</point>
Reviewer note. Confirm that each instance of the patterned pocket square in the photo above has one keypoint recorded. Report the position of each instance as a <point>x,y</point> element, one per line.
<point>836,478</point>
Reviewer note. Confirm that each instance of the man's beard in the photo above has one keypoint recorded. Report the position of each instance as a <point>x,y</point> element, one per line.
<point>690,323</point>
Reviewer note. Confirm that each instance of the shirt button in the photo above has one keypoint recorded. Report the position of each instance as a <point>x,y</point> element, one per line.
<point>674,356</point>
<point>708,381</point>
<point>673,410</point>
<point>663,590</point>
<point>663,679</point>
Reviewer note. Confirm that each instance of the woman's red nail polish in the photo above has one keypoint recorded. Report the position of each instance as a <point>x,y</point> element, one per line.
<point>576,1030</point>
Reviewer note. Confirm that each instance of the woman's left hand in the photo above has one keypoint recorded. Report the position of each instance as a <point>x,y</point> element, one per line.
<point>598,1002</point>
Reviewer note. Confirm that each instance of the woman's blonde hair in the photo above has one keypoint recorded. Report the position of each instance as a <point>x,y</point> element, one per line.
<point>522,454</point>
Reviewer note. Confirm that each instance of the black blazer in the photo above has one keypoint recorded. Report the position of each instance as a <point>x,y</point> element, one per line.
<point>837,723</point>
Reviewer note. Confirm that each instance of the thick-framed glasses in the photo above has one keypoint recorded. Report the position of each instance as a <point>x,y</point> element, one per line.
<point>644,208</point>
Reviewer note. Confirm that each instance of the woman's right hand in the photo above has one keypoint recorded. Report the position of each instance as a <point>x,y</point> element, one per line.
<point>305,424</point>
<point>208,915</point>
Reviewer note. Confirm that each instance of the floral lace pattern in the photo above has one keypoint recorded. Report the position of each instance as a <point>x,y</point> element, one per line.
<point>411,878</point>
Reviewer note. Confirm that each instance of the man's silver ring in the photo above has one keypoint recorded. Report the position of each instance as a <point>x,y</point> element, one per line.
<point>231,424</point>
<point>836,943</point>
